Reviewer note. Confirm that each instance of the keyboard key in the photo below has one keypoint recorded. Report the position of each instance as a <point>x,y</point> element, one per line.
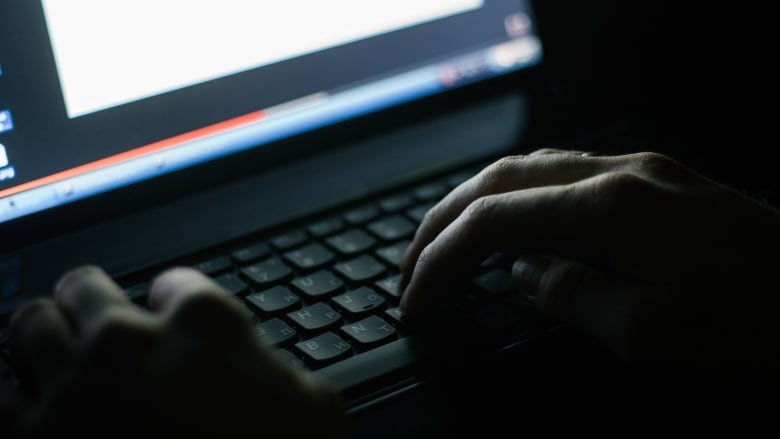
<point>275,300</point>
<point>351,242</point>
<point>309,257</point>
<point>232,283</point>
<point>250,254</point>
<point>417,213</point>
<point>288,240</point>
<point>367,367</point>
<point>359,302</point>
<point>326,227</point>
<point>430,191</point>
<point>459,178</point>
<point>396,203</point>
<point>266,273</point>
<point>393,254</point>
<point>248,313</point>
<point>361,215</point>
<point>290,358</point>
<point>213,266</point>
<point>276,331</point>
<point>361,269</point>
<point>396,316</point>
<point>391,286</point>
<point>392,228</point>
<point>316,317</point>
<point>496,281</point>
<point>369,332</point>
<point>320,284</point>
<point>492,261</point>
<point>323,349</point>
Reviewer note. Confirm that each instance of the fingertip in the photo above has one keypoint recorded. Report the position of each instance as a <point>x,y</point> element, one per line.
<point>165,284</point>
<point>528,272</point>
<point>403,266</point>
<point>75,274</point>
<point>560,285</point>
<point>410,304</point>
<point>407,262</point>
<point>179,281</point>
<point>404,305</point>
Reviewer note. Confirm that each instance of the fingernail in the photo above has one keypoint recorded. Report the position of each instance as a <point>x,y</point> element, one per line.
<point>527,272</point>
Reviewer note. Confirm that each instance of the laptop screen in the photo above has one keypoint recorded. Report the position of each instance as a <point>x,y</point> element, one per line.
<point>98,95</point>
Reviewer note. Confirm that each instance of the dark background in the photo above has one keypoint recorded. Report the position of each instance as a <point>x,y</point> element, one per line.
<point>689,79</point>
<point>692,79</point>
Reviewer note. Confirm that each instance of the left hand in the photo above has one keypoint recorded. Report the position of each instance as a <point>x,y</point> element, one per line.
<point>92,362</point>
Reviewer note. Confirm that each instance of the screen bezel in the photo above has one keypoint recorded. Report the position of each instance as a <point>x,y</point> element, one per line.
<point>81,214</point>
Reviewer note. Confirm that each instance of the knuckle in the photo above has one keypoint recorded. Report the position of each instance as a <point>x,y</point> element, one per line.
<point>618,192</point>
<point>544,151</point>
<point>655,164</point>
<point>479,211</point>
<point>432,213</point>
<point>498,171</point>
<point>621,186</point>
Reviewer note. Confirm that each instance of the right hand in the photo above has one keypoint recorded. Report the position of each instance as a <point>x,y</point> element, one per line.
<point>668,268</point>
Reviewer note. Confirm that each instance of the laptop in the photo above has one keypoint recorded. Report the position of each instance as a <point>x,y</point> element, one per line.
<point>290,154</point>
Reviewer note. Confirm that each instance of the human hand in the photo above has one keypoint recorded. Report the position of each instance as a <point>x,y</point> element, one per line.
<point>666,267</point>
<point>91,362</point>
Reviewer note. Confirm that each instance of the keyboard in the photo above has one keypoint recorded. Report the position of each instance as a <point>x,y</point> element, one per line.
<point>325,292</point>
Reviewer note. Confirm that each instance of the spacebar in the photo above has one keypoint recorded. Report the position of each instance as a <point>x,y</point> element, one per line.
<point>368,368</point>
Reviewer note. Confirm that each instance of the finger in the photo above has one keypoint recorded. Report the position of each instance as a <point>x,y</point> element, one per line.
<point>176,284</point>
<point>527,272</point>
<point>562,220</point>
<point>602,305</point>
<point>87,293</point>
<point>508,174</point>
<point>192,301</point>
<point>42,341</point>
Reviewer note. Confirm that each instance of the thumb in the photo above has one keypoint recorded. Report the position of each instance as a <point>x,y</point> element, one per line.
<point>582,296</point>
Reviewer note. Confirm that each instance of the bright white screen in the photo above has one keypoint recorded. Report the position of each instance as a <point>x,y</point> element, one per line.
<point>112,52</point>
